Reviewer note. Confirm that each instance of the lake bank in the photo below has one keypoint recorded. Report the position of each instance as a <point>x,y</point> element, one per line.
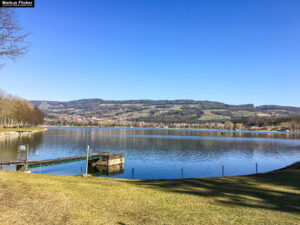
<point>185,129</point>
<point>15,132</point>
<point>270,198</point>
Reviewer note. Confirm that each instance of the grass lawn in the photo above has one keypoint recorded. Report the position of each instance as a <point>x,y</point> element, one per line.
<point>21,129</point>
<point>271,198</point>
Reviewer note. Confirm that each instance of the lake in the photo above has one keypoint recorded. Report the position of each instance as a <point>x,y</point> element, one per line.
<point>161,153</point>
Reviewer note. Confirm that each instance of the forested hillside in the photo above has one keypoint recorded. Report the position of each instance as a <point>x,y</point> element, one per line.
<point>17,112</point>
<point>154,113</point>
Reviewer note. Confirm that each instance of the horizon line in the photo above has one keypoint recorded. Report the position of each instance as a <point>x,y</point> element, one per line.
<point>163,100</point>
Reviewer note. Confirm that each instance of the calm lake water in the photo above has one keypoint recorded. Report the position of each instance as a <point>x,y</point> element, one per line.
<point>161,153</point>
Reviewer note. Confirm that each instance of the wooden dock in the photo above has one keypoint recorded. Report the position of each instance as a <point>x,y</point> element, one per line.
<point>99,158</point>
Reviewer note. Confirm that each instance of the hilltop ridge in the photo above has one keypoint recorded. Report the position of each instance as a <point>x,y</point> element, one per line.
<point>166,112</point>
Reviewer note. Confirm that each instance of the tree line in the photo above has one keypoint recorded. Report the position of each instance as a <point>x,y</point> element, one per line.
<point>18,112</point>
<point>285,122</point>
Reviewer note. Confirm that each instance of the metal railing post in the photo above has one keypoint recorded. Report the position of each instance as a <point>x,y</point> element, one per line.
<point>222,170</point>
<point>87,159</point>
<point>182,173</point>
<point>26,163</point>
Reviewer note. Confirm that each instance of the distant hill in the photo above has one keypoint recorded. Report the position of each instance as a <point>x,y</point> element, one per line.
<point>165,111</point>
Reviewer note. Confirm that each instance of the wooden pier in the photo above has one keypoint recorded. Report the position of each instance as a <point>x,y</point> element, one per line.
<point>103,159</point>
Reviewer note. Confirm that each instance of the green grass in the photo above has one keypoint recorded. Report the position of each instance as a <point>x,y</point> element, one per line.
<point>271,198</point>
<point>208,115</point>
<point>44,105</point>
<point>21,129</point>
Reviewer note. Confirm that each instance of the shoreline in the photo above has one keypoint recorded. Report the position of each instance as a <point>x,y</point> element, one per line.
<point>269,198</point>
<point>288,167</point>
<point>187,129</point>
<point>16,132</point>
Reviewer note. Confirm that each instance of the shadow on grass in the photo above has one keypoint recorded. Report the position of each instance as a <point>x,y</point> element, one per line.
<point>278,190</point>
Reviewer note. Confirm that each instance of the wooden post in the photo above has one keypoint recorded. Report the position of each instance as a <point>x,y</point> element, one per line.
<point>132,173</point>
<point>256,168</point>
<point>87,159</point>
<point>36,154</point>
<point>222,170</point>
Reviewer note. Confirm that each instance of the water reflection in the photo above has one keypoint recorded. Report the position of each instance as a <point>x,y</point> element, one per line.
<point>106,171</point>
<point>158,153</point>
<point>9,145</point>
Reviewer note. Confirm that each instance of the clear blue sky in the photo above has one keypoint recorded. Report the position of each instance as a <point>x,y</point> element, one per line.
<point>230,51</point>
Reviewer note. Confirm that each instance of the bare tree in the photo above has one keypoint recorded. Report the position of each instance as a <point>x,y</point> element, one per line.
<point>12,39</point>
